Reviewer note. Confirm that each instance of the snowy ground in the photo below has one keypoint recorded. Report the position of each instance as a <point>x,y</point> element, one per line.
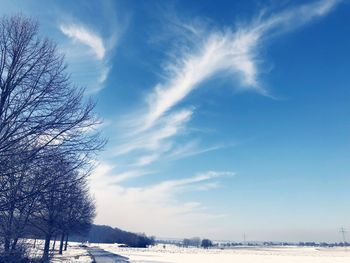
<point>173,254</point>
<point>74,253</point>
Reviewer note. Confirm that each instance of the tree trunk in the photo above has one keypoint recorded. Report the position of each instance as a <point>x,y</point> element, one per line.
<point>14,244</point>
<point>8,235</point>
<point>7,244</point>
<point>45,258</point>
<point>34,243</point>
<point>66,244</point>
<point>54,243</point>
<point>61,243</point>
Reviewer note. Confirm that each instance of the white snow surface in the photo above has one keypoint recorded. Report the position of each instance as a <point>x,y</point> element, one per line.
<point>174,254</point>
<point>74,253</point>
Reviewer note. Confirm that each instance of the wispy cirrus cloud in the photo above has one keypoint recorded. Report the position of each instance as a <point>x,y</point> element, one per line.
<point>86,51</point>
<point>171,185</point>
<point>194,147</point>
<point>171,151</point>
<point>127,204</point>
<point>160,142</point>
<point>155,138</point>
<point>86,37</point>
<point>209,52</point>
<point>233,51</point>
<point>109,176</point>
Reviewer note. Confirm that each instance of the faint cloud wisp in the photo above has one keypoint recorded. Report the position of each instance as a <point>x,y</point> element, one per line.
<point>86,37</point>
<point>87,55</point>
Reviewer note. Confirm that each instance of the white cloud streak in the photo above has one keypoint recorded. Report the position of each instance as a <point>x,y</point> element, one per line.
<point>154,139</point>
<point>160,141</point>
<point>234,52</point>
<point>88,55</point>
<point>86,37</point>
<point>172,185</point>
<point>193,148</point>
<point>209,53</point>
<point>105,171</point>
<point>123,206</point>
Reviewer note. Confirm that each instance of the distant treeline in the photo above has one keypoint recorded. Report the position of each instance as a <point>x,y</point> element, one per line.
<point>197,242</point>
<point>323,244</point>
<point>301,244</point>
<point>107,234</point>
<point>206,243</point>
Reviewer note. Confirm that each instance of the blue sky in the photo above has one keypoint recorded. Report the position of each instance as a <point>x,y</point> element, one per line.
<point>223,117</point>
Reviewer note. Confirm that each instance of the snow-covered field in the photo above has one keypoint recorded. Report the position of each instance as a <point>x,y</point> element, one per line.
<point>172,254</point>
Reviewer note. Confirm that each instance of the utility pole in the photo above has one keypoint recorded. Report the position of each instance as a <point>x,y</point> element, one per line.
<point>244,238</point>
<point>343,232</point>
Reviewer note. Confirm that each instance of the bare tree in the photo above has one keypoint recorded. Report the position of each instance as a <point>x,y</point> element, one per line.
<point>61,207</point>
<point>78,215</point>
<point>39,108</point>
<point>47,136</point>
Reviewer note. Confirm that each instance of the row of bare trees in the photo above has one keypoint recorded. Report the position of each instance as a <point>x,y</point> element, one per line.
<point>47,140</point>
